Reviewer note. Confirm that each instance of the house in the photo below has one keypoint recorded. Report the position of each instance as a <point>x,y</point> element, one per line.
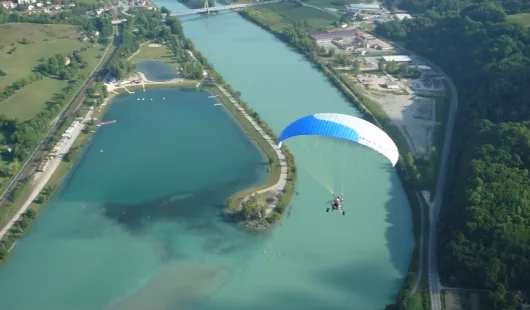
<point>356,7</point>
<point>6,4</point>
<point>22,1</point>
<point>66,61</point>
<point>391,85</point>
<point>39,4</point>
<point>331,35</point>
<point>397,58</point>
<point>403,16</point>
<point>30,7</point>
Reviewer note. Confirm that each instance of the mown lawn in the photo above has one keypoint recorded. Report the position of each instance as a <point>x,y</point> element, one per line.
<point>149,51</point>
<point>42,41</point>
<point>29,101</point>
<point>522,19</point>
<point>281,15</point>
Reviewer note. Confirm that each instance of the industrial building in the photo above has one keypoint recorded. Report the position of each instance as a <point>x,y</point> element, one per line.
<point>397,58</point>
<point>330,35</point>
<point>356,7</point>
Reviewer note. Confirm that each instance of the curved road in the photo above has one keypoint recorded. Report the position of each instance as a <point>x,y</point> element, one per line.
<point>435,286</point>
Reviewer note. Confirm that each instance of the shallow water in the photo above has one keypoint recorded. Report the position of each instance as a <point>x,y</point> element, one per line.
<point>157,71</point>
<point>170,249</point>
<point>141,211</point>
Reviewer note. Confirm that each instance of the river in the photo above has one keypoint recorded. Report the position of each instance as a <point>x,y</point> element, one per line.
<point>137,224</point>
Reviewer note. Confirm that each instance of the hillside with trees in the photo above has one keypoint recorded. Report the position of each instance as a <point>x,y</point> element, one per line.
<point>485,221</point>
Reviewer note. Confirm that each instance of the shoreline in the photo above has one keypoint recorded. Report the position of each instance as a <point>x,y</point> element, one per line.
<point>41,179</point>
<point>281,173</point>
<point>44,184</point>
<point>416,201</point>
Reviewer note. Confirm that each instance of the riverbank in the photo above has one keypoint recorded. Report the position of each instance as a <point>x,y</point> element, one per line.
<point>280,184</point>
<point>279,187</point>
<point>372,113</point>
<point>27,212</point>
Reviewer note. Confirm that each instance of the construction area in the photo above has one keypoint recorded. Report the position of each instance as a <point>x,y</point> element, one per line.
<point>409,103</point>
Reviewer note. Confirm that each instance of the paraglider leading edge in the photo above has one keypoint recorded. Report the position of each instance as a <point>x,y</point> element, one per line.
<point>345,127</point>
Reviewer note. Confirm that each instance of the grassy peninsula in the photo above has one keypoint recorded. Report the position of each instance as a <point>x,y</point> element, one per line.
<point>263,209</point>
<point>174,49</point>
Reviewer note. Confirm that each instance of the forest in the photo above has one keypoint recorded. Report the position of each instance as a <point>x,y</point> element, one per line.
<point>484,226</point>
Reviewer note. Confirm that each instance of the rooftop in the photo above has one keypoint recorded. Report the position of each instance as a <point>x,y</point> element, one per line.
<point>362,6</point>
<point>403,16</point>
<point>397,58</point>
<point>323,35</point>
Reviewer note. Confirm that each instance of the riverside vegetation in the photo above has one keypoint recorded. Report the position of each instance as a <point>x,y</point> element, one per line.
<point>484,239</point>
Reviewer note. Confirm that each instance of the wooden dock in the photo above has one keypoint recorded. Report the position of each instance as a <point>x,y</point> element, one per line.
<point>106,123</point>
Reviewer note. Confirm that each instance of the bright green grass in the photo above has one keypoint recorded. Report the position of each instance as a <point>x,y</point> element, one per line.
<point>336,4</point>
<point>46,41</point>
<point>30,100</point>
<point>280,15</point>
<point>522,19</point>
<point>153,53</point>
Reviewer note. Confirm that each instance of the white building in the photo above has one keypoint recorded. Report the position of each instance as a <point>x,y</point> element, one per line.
<point>356,7</point>
<point>397,58</point>
<point>391,85</point>
<point>403,16</point>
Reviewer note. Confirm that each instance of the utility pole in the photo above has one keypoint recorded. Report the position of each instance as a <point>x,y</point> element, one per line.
<point>207,7</point>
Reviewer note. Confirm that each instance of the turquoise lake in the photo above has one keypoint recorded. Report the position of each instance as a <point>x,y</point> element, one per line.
<point>138,223</point>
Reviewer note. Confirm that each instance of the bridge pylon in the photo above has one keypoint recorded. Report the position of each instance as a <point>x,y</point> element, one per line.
<point>207,7</point>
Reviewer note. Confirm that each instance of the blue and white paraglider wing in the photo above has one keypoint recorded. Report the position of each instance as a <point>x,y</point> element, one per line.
<point>345,127</point>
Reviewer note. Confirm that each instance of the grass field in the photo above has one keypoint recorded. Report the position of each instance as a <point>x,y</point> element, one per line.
<point>44,41</point>
<point>522,19</point>
<point>28,102</point>
<point>148,52</point>
<point>281,15</point>
<point>334,4</point>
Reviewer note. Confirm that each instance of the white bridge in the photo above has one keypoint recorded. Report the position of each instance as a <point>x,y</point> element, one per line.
<point>208,9</point>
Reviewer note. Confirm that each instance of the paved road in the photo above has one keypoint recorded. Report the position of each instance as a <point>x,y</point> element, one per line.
<point>434,280</point>
<point>280,185</point>
<point>27,169</point>
<point>42,178</point>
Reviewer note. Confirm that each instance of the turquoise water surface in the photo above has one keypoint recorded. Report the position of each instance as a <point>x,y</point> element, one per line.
<point>138,225</point>
<point>142,211</point>
<point>157,71</point>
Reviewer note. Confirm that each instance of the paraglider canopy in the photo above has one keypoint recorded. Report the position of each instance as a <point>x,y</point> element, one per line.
<point>346,127</point>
